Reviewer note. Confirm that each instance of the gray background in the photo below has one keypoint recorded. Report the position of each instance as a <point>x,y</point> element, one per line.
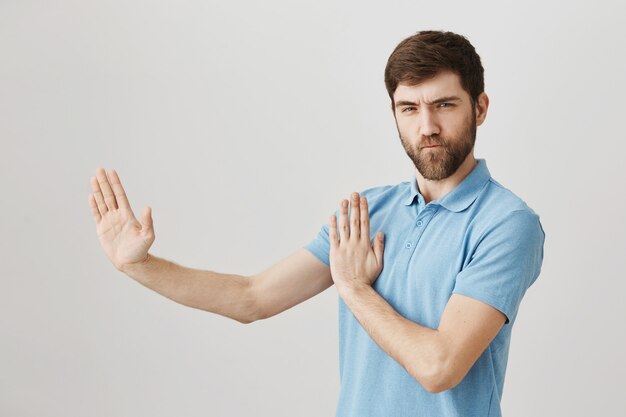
<point>242,124</point>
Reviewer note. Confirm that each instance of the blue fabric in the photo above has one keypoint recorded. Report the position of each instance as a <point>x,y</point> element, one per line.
<point>479,240</point>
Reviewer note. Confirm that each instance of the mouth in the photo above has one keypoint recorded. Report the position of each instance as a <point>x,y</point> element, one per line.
<point>431,147</point>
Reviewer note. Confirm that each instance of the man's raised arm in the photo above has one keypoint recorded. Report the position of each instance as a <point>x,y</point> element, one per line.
<point>126,242</point>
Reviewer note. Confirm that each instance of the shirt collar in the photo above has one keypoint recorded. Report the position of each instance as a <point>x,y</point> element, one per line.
<point>463,195</point>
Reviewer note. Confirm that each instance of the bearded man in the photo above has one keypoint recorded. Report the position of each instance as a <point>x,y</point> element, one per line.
<point>427,301</point>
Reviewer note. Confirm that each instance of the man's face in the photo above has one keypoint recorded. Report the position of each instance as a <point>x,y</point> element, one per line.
<point>436,123</point>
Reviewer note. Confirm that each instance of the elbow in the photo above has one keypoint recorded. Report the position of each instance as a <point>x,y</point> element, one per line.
<point>239,317</point>
<point>256,306</point>
<point>247,316</point>
<point>250,314</point>
<point>435,387</point>
<point>437,377</point>
<point>254,315</point>
<point>244,320</point>
<point>245,308</point>
<point>252,308</point>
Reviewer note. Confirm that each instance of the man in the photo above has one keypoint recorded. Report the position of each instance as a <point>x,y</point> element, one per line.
<point>426,309</point>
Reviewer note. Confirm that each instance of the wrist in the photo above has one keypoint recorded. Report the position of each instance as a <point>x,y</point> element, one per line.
<point>132,268</point>
<point>353,290</point>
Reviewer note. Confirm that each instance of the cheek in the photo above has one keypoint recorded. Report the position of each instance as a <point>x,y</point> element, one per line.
<point>407,128</point>
<point>450,126</point>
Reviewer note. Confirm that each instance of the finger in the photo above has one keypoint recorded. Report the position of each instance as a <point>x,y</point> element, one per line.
<point>118,190</point>
<point>332,231</point>
<point>97,194</point>
<point>379,246</point>
<point>107,192</point>
<point>94,208</point>
<point>365,219</point>
<point>147,227</point>
<point>146,218</point>
<point>344,231</point>
<point>355,217</point>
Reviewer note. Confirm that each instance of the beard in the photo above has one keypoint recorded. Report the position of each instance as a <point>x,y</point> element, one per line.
<point>440,163</point>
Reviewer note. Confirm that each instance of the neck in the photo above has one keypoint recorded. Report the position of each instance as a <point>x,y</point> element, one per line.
<point>435,189</point>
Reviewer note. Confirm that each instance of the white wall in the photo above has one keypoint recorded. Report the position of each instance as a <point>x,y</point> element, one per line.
<point>242,124</point>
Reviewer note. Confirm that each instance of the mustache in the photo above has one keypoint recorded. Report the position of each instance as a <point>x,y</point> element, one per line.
<point>433,143</point>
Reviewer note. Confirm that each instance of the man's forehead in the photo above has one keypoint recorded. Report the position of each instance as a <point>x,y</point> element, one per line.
<point>445,84</point>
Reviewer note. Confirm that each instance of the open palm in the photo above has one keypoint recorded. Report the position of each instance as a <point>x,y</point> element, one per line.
<point>124,239</point>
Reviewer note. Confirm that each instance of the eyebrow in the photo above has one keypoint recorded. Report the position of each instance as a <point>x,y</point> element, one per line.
<point>436,101</point>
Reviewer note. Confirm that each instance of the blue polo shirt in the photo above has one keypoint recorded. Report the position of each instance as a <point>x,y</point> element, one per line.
<point>479,240</point>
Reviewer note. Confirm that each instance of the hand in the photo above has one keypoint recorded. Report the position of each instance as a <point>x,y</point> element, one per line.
<point>354,261</point>
<point>124,239</point>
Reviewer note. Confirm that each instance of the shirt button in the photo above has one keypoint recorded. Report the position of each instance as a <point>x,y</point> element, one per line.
<point>420,223</point>
<point>408,245</point>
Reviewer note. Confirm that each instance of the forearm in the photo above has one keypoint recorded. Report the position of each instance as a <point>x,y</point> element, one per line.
<point>420,350</point>
<point>224,294</point>
<point>356,262</point>
<point>437,358</point>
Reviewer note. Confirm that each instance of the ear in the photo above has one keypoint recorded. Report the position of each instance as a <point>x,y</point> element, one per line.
<point>482,104</point>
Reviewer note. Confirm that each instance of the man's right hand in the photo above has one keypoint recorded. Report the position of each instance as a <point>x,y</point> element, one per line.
<point>126,242</point>
<point>124,239</point>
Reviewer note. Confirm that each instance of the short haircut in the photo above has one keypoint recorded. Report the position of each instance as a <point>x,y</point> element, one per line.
<point>427,53</point>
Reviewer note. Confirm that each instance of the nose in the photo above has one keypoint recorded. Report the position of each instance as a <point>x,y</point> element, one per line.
<point>428,124</point>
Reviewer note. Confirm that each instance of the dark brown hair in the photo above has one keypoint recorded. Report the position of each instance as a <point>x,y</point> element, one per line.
<point>425,54</point>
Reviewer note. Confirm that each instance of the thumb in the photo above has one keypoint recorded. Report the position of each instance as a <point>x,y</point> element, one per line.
<point>379,246</point>
<point>146,218</point>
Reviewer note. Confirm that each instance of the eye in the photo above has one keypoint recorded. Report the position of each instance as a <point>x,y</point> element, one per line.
<point>408,109</point>
<point>445,105</point>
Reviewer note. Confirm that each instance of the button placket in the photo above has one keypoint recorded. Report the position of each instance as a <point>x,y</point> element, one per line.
<point>418,229</point>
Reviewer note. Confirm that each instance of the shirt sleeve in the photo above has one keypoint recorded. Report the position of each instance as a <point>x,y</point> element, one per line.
<point>320,246</point>
<point>507,260</point>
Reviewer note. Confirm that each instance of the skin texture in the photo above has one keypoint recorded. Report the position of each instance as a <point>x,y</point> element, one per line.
<point>422,119</point>
<point>126,241</point>
<point>440,157</point>
<point>437,358</point>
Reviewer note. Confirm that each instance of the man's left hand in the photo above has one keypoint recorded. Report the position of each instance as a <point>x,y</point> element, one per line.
<point>355,261</point>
